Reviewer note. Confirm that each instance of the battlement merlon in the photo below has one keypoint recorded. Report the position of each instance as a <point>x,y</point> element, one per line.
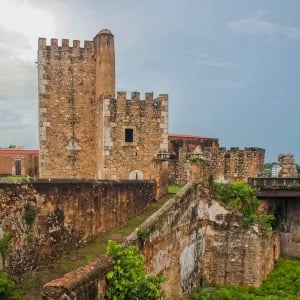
<point>135,96</point>
<point>42,44</point>
<point>246,149</point>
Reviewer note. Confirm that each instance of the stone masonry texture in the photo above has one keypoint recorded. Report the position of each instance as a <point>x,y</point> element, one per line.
<point>67,213</point>
<point>193,240</point>
<point>288,165</point>
<point>227,164</point>
<point>87,132</point>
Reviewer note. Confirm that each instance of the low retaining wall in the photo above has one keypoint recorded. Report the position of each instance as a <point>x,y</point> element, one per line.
<point>67,213</point>
<point>84,283</point>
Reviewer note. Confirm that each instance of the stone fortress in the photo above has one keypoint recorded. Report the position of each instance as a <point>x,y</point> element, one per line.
<point>87,132</point>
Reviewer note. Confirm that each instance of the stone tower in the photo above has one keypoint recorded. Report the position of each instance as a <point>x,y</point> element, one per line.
<point>86,130</point>
<point>105,63</point>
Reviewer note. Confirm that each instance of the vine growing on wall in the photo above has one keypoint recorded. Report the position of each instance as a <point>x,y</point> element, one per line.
<point>128,279</point>
<point>241,196</point>
<point>29,214</point>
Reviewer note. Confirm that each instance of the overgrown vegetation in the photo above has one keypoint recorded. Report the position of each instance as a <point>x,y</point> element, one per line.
<point>241,196</point>
<point>128,279</point>
<point>4,248</point>
<point>282,283</point>
<point>142,234</point>
<point>33,281</point>
<point>15,178</point>
<point>29,214</point>
<point>174,188</point>
<point>7,288</point>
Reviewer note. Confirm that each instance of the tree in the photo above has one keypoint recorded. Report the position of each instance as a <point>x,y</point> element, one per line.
<point>128,280</point>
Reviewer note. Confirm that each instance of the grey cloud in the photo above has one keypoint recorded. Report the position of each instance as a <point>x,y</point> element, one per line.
<point>18,79</point>
<point>223,83</point>
<point>13,39</point>
<point>256,25</point>
<point>206,60</point>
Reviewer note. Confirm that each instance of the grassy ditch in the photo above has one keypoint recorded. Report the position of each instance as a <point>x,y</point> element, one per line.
<point>30,287</point>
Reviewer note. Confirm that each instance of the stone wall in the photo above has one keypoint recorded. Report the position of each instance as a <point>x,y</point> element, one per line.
<point>288,165</point>
<point>193,240</point>
<point>86,283</point>
<point>180,149</point>
<point>290,231</point>
<point>66,109</point>
<point>238,164</point>
<point>287,212</point>
<point>68,212</point>
<point>135,131</point>
<point>227,164</point>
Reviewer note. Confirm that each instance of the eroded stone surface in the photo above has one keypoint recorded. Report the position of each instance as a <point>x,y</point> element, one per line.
<point>67,213</point>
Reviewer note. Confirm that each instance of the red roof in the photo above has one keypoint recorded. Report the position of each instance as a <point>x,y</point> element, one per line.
<point>18,152</point>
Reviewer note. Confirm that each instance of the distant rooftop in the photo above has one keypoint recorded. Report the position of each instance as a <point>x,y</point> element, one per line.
<point>17,151</point>
<point>189,136</point>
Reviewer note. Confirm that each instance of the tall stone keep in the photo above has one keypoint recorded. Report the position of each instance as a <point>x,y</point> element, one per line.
<point>85,130</point>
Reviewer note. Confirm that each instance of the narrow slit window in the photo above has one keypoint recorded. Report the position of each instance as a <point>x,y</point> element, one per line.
<point>128,135</point>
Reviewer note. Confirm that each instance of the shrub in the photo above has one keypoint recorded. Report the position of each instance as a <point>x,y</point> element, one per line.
<point>7,288</point>
<point>282,283</point>
<point>241,196</point>
<point>29,214</point>
<point>174,188</point>
<point>4,247</point>
<point>142,234</point>
<point>128,279</point>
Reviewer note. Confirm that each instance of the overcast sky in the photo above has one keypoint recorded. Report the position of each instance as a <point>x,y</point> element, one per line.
<point>231,67</point>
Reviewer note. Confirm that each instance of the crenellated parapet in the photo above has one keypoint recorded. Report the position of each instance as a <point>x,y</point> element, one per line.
<point>148,99</point>
<point>88,131</point>
<point>238,164</point>
<point>55,50</point>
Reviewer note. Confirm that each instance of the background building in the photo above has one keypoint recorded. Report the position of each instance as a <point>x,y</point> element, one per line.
<point>19,162</point>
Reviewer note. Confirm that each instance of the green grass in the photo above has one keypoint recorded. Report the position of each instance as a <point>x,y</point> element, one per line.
<point>34,281</point>
<point>174,188</point>
<point>12,178</point>
<point>282,283</point>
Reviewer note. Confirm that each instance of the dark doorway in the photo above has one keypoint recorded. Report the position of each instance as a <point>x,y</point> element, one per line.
<point>18,167</point>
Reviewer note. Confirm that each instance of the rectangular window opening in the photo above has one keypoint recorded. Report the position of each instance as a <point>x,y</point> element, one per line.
<point>128,135</point>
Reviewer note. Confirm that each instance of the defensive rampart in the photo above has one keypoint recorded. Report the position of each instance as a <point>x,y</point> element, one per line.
<point>192,240</point>
<point>67,213</point>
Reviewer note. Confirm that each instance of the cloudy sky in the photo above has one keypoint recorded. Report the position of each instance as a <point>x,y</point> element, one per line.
<point>231,67</point>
